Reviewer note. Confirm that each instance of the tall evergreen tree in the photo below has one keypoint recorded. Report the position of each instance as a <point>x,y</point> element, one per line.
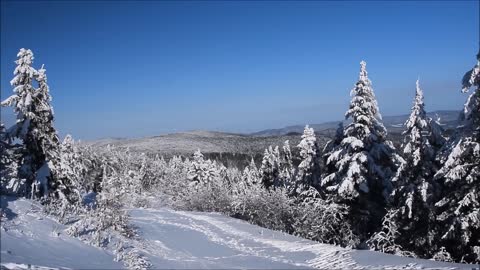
<point>49,142</point>
<point>251,174</point>
<point>458,212</point>
<point>270,167</point>
<point>414,191</point>
<point>287,170</point>
<point>22,104</point>
<point>308,170</point>
<point>358,168</point>
<point>34,126</point>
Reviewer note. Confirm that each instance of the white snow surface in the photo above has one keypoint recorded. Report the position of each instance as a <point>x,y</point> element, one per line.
<point>28,238</point>
<point>181,240</point>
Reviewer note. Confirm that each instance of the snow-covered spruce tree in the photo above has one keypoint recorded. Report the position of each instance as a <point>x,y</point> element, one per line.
<point>251,174</point>
<point>287,170</point>
<point>358,168</point>
<point>308,173</point>
<point>202,171</point>
<point>45,136</point>
<point>10,183</point>
<point>337,139</point>
<point>270,167</point>
<point>458,212</point>
<point>34,126</point>
<point>415,192</point>
<point>72,167</point>
<point>21,101</point>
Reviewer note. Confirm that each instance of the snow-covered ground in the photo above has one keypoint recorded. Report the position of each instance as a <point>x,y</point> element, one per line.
<point>176,239</point>
<point>30,238</point>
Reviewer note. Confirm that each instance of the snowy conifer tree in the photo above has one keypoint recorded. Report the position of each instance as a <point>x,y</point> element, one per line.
<point>270,167</point>
<point>287,170</point>
<point>34,127</point>
<point>458,212</point>
<point>21,102</point>
<point>202,171</point>
<point>414,191</point>
<point>358,168</point>
<point>72,168</point>
<point>251,174</point>
<point>10,183</point>
<point>47,138</point>
<point>308,169</point>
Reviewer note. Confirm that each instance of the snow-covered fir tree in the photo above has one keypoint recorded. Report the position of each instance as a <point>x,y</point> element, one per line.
<point>47,138</point>
<point>34,127</point>
<point>10,182</point>
<point>308,172</point>
<point>21,101</point>
<point>72,168</point>
<point>358,168</point>
<point>270,167</point>
<point>287,170</point>
<point>202,171</point>
<point>458,212</point>
<point>251,174</point>
<point>337,139</point>
<point>415,192</point>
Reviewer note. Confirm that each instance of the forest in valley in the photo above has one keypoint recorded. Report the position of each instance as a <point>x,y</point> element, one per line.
<point>421,199</point>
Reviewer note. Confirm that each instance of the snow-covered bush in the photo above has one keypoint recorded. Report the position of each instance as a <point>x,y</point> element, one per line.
<point>386,239</point>
<point>212,197</point>
<point>269,208</point>
<point>323,221</point>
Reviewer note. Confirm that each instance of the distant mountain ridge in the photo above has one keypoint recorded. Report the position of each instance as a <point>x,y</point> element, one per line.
<point>394,124</point>
<point>245,146</point>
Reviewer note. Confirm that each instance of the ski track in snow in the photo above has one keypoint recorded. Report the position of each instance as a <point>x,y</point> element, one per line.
<point>172,239</point>
<point>237,243</point>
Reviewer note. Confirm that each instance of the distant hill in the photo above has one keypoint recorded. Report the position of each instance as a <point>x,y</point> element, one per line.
<point>394,124</point>
<point>230,149</point>
<point>237,149</point>
<point>207,141</point>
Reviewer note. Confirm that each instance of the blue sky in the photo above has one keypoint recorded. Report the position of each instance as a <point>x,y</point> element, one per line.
<point>132,69</point>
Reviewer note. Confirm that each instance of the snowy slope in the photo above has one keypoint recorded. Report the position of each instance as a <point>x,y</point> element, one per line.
<point>176,239</point>
<point>27,237</point>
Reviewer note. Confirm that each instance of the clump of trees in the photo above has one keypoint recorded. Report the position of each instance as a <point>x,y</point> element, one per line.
<point>358,191</point>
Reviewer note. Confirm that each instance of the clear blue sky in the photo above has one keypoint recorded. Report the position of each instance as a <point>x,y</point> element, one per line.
<point>132,69</point>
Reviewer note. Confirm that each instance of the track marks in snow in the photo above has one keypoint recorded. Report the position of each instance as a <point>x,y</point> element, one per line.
<point>325,256</point>
<point>211,240</point>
